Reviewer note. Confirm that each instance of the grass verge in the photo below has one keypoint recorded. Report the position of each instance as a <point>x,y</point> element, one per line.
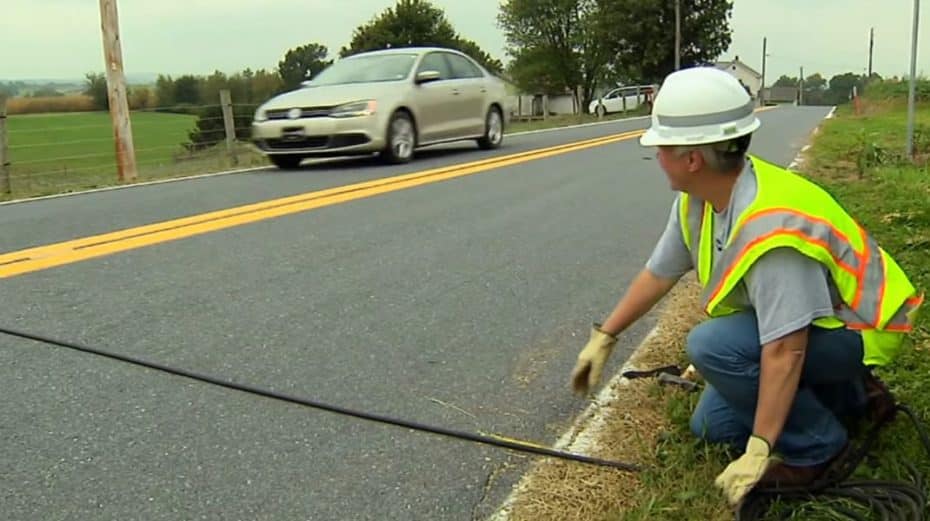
<point>855,157</point>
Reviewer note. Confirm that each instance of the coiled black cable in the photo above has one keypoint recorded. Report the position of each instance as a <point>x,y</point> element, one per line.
<point>880,500</point>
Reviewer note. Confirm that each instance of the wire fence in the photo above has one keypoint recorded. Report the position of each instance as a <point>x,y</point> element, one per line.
<point>49,153</point>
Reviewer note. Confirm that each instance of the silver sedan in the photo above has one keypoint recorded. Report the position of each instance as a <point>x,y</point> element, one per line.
<point>389,102</point>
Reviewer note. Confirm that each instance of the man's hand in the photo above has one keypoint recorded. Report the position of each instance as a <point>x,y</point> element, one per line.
<point>644,293</point>
<point>592,359</point>
<point>742,475</point>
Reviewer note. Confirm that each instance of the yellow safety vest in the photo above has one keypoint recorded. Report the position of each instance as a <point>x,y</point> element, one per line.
<point>791,211</point>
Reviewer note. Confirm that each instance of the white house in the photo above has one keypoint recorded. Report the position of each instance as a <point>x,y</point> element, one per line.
<point>744,73</point>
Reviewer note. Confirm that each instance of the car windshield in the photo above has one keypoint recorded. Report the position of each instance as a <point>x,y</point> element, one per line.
<point>367,69</point>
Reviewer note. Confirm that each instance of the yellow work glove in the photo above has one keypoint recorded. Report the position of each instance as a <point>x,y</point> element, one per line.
<point>691,373</point>
<point>591,360</point>
<point>742,475</point>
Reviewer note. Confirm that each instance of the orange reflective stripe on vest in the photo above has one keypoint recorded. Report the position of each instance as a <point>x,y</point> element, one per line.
<point>790,211</point>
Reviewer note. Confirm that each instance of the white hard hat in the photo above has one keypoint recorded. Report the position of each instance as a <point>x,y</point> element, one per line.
<point>700,105</point>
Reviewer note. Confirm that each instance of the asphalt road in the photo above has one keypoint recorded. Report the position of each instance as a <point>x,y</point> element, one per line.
<point>461,303</point>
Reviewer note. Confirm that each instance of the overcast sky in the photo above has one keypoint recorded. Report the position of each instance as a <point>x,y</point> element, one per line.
<point>61,38</point>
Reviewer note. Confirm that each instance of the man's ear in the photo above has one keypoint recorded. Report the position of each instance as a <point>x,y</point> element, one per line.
<point>695,161</point>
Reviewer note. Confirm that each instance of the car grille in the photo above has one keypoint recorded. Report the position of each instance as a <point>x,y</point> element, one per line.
<point>348,140</point>
<point>305,112</point>
<point>291,144</point>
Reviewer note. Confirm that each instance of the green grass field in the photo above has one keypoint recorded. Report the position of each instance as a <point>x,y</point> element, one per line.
<point>54,153</point>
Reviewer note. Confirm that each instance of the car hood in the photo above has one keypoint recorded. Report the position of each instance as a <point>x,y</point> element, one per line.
<point>331,95</point>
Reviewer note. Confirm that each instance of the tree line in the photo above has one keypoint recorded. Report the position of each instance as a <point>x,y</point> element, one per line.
<point>577,47</point>
<point>816,90</point>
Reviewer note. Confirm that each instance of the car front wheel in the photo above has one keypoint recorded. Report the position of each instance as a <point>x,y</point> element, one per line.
<point>493,130</point>
<point>401,139</point>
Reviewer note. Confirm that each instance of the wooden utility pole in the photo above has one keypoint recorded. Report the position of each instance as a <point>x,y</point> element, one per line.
<point>871,48</point>
<point>677,34</point>
<point>762,86</point>
<point>801,87</point>
<point>116,92</point>
<point>5,185</point>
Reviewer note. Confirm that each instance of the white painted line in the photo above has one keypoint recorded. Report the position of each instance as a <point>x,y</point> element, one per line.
<point>799,159</point>
<point>583,433</point>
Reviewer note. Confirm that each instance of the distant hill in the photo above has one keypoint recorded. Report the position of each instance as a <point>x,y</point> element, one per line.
<point>27,86</point>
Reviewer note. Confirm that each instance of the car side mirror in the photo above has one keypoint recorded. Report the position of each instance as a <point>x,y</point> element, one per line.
<point>427,76</point>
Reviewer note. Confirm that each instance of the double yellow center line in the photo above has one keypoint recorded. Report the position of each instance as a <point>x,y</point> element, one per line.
<point>52,255</point>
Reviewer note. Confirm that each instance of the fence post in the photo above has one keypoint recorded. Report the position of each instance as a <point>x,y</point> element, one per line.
<point>5,185</point>
<point>229,124</point>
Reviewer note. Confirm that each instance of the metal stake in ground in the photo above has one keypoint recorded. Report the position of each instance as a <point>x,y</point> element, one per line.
<point>913,83</point>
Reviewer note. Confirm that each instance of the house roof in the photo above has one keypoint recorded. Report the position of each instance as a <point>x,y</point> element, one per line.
<point>736,61</point>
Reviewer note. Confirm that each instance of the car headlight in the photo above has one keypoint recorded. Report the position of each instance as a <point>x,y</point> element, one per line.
<point>260,115</point>
<point>355,109</point>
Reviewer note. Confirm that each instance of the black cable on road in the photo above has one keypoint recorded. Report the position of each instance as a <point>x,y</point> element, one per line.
<point>488,440</point>
<point>882,500</point>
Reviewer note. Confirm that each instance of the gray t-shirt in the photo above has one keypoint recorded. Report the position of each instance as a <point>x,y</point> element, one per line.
<point>787,289</point>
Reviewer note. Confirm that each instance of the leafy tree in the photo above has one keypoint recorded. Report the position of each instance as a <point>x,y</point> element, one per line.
<point>841,87</point>
<point>786,81</point>
<point>164,91</point>
<point>302,63</point>
<point>643,35</point>
<point>248,89</point>
<point>95,86</point>
<point>557,45</point>
<point>140,98</point>
<point>472,49</point>
<point>10,89</point>
<point>414,23</point>
<point>580,45</point>
<point>187,90</point>
<point>46,92</point>
<point>815,82</point>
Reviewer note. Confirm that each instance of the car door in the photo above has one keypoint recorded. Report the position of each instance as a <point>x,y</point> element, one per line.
<point>470,94</point>
<point>613,102</point>
<point>432,99</point>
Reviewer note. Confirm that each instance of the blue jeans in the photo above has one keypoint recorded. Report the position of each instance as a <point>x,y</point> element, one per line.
<point>727,352</point>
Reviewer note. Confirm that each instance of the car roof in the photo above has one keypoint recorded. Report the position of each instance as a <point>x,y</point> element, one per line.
<point>405,50</point>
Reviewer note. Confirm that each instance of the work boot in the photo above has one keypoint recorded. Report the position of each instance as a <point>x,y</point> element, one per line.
<point>782,475</point>
<point>880,403</point>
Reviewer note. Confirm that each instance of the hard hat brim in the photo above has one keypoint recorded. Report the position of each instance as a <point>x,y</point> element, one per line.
<point>654,136</point>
